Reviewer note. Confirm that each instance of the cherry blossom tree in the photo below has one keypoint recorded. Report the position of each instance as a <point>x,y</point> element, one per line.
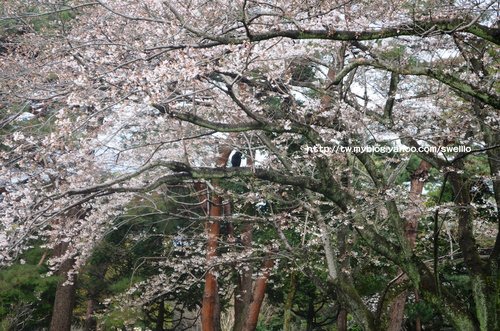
<point>110,100</point>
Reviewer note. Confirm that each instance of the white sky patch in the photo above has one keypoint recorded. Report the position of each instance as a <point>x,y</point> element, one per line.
<point>260,157</point>
<point>221,135</point>
<point>120,127</point>
<point>299,94</point>
<point>25,117</point>
<point>363,90</point>
<point>436,54</point>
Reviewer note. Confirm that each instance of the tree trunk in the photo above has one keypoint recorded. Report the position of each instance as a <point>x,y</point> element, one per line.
<point>161,316</point>
<point>243,292</point>
<point>287,318</point>
<point>65,295</point>
<point>345,263</point>
<point>484,281</point>
<point>342,320</point>
<point>492,138</point>
<point>210,310</point>
<point>258,296</point>
<point>90,322</point>
<point>310,314</point>
<point>418,324</point>
<point>396,312</point>
<point>97,274</point>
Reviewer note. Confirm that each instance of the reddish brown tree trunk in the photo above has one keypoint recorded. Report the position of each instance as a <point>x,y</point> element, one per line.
<point>243,292</point>
<point>210,308</point>
<point>210,312</point>
<point>258,296</point>
<point>418,179</point>
<point>65,295</point>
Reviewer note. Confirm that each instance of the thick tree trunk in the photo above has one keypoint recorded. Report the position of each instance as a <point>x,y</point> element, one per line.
<point>484,281</point>
<point>396,312</point>
<point>493,264</point>
<point>210,309</point>
<point>65,295</point>
<point>258,296</point>
<point>492,138</point>
<point>342,320</point>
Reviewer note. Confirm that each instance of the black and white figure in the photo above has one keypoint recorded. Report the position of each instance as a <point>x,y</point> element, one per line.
<point>236,159</point>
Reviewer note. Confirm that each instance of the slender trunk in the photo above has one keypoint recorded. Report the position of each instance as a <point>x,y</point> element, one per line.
<point>65,295</point>
<point>42,259</point>
<point>161,316</point>
<point>210,311</point>
<point>345,263</point>
<point>287,318</point>
<point>396,312</point>
<point>97,273</point>
<point>310,314</point>
<point>418,324</point>
<point>258,296</point>
<point>243,292</point>
<point>90,322</point>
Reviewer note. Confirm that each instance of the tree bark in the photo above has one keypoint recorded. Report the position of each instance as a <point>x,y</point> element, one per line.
<point>90,322</point>
<point>342,320</point>
<point>287,316</point>
<point>310,314</point>
<point>97,273</point>
<point>161,316</point>
<point>210,311</point>
<point>492,138</point>
<point>65,295</point>
<point>243,292</point>
<point>396,312</point>
<point>483,280</point>
<point>258,296</point>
